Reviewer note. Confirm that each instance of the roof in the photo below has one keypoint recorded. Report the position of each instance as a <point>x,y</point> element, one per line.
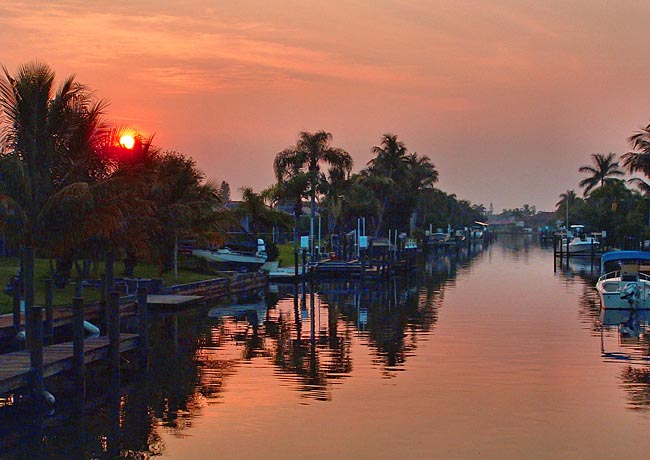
<point>624,256</point>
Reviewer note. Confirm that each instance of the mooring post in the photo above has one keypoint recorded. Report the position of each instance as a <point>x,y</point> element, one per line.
<point>142,326</point>
<point>49,308</point>
<point>79,364</point>
<point>79,288</point>
<point>114,331</point>
<point>16,306</point>
<point>35,321</point>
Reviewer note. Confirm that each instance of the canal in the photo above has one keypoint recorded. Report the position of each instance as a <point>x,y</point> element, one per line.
<point>486,354</point>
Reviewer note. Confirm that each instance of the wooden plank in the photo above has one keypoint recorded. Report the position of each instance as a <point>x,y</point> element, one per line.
<point>14,367</point>
<point>171,300</point>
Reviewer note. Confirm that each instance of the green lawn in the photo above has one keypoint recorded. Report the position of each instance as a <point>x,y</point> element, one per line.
<point>9,267</point>
<point>286,257</point>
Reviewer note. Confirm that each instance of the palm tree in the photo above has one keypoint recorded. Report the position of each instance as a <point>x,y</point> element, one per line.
<point>398,180</point>
<point>569,200</point>
<point>390,156</point>
<point>185,205</point>
<point>604,168</point>
<point>261,216</point>
<point>37,128</point>
<point>302,164</point>
<point>638,160</point>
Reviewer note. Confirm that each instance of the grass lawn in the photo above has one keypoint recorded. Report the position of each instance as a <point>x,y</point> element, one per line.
<point>9,267</point>
<point>286,257</point>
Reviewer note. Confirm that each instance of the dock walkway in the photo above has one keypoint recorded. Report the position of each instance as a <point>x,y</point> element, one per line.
<point>62,315</point>
<point>15,367</point>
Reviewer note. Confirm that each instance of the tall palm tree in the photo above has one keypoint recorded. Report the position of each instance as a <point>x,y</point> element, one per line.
<point>36,123</point>
<point>605,167</point>
<point>398,179</point>
<point>569,197</point>
<point>305,159</point>
<point>390,156</point>
<point>638,160</point>
<point>185,205</point>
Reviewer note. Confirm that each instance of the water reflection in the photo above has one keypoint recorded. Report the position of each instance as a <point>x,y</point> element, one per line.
<point>625,337</point>
<point>305,334</point>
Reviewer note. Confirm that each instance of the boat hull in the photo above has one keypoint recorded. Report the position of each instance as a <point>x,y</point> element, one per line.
<point>231,260</point>
<point>610,292</point>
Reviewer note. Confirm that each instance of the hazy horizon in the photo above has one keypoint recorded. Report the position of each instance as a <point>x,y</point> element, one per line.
<point>507,98</point>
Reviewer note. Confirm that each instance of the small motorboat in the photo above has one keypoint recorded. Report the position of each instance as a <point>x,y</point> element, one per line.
<point>624,282</point>
<point>583,244</point>
<point>228,259</point>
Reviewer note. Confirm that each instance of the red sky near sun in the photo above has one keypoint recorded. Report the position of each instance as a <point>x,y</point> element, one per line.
<point>508,98</point>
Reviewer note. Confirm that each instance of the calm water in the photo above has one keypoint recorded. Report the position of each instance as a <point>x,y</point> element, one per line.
<point>492,356</point>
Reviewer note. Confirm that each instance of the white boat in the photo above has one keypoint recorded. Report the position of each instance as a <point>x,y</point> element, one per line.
<point>228,259</point>
<point>624,282</point>
<point>583,244</point>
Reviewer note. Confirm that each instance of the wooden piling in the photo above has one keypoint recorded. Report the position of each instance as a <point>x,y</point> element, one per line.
<point>49,308</point>
<point>114,330</point>
<point>79,288</point>
<point>79,365</point>
<point>142,326</point>
<point>567,249</point>
<point>295,259</point>
<point>35,327</point>
<point>16,306</point>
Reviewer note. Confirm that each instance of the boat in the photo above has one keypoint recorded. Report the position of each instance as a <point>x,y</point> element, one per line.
<point>438,239</point>
<point>229,259</point>
<point>582,244</point>
<point>624,282</point>
<point>579,241</point>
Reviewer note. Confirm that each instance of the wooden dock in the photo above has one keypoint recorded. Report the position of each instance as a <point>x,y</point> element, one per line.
<point>162,301</point>
<point>15,367</point>
<point>62,315</point>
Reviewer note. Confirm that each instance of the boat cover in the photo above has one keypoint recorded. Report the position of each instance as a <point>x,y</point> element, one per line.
<point>641,256</point>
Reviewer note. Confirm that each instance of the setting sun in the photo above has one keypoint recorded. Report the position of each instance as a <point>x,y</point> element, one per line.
<point>127,141</point>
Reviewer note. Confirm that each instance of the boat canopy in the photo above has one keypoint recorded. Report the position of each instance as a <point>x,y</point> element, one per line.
<point>624,256</point>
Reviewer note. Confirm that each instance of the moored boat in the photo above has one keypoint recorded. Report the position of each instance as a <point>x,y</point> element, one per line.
<point>583,244</point>
<point>624,282</point>
<point>228,259</point>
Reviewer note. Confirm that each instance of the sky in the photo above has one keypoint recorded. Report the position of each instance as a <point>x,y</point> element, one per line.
<point>507,98</point>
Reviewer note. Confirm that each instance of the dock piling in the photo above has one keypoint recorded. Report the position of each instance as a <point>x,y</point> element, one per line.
<point>142,326</point>
<point>16,306</point>
<point>114,330</point>
<point>35,326</point>
<point>49,306</point>
<point>78,333</point>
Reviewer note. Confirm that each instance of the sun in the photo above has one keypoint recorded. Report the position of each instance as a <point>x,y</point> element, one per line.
<point>127,141</point>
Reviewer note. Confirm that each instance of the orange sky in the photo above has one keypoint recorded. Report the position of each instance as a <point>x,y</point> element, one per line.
<point>508,98</point>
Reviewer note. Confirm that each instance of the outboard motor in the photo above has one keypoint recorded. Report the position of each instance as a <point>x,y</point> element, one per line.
<point>630,292</point>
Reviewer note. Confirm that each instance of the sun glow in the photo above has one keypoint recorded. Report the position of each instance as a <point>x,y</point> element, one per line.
<point>127,141</point>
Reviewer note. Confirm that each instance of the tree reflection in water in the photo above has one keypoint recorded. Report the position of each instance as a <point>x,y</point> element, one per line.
<point>305,333</point>
<point>625,337</point>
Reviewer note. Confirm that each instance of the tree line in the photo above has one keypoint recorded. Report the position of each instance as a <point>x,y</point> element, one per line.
<point>609,202</point>
<point>71,190</point>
